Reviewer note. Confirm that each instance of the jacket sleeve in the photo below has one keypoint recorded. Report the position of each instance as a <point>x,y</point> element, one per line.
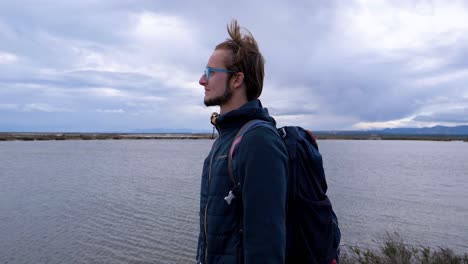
<point>263,167</point>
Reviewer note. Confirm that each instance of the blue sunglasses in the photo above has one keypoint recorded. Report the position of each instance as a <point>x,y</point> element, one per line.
<point>209,70</point>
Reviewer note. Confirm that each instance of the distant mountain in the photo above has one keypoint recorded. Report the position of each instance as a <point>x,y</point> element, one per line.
<point>436,130</point>
<point>429,131</point>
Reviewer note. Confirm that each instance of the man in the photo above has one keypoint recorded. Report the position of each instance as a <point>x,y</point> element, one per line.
<point>250,228</point>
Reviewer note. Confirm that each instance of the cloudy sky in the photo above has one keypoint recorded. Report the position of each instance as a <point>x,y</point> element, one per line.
<point>122,65</point>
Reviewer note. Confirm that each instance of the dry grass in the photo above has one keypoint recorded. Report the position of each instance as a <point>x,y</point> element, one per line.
<point>393,250</point>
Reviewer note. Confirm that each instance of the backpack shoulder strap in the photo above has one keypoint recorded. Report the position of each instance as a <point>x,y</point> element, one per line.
<point>237,139</point>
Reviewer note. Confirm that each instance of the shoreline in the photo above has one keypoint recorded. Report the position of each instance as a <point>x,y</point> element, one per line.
<point>33,136</point>
<point>394,137</point>
<point>25,136</point>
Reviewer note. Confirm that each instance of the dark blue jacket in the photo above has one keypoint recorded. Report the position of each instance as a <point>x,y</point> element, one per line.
<point>251,229</point>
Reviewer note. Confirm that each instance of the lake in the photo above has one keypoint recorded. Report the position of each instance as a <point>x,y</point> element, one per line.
<point>136,201</point>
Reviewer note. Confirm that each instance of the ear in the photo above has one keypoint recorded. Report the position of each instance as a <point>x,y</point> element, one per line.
<point>237,80</point>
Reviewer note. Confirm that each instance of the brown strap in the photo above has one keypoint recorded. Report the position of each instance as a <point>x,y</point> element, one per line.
<point>237,140</point>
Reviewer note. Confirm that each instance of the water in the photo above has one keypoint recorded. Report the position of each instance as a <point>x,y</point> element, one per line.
<point>417,188</point>
<point>136,201</point>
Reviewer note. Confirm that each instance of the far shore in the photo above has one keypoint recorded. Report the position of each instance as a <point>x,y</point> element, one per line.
<point>25,136</point>
<point>394,137</point>
<point>32,136</point>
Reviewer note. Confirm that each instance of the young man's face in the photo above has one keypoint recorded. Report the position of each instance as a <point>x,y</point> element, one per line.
<point>217,89</point>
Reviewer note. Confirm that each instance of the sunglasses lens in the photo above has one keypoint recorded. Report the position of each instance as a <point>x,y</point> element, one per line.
<point>207,73</point>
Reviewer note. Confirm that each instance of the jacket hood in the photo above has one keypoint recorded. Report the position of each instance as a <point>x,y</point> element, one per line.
<point>236,118</point>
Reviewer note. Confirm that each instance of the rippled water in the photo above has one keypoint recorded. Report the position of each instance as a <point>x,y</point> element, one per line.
<point>417,188</point>
<point>137,201</point>
<point>99,201</point>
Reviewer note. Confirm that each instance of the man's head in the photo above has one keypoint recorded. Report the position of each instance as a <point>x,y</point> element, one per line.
<point>234,70</point>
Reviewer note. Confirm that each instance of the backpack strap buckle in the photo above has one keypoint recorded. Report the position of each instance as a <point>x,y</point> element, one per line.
<point>282,132</point>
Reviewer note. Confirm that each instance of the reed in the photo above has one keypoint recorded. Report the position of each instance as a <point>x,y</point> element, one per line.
<point>393,250</point>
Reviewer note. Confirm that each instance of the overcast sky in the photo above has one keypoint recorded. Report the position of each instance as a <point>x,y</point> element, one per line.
<point>330,65</point>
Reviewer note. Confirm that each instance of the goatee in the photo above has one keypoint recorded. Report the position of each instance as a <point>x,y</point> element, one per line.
<point>220,100</point>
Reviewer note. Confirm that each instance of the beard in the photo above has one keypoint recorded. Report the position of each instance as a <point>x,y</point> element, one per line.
<point>220,100</point>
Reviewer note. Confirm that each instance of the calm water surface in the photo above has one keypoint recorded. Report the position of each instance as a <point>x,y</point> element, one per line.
<point>137,201</point>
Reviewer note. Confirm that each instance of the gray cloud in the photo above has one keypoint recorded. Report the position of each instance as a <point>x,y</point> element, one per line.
<point>97,65</point>
<point>450,117</point>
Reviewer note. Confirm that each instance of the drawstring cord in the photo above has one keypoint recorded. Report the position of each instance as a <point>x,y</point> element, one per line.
<point>213,118</point>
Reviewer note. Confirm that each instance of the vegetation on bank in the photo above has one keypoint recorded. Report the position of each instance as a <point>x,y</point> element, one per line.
<point>103,136</point>
<point>393,137</point>
<point>95,136</point>
<point>393,250</point>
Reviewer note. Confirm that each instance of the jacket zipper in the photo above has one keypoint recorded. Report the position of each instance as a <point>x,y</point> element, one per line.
<point>206,206</point>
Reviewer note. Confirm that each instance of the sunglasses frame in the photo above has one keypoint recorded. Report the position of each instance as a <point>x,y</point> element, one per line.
<point>208,71</point>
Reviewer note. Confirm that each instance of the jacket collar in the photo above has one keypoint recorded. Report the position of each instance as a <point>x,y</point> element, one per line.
<point>238,117</point>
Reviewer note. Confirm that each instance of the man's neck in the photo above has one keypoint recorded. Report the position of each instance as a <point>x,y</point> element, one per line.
<point>231,105</point>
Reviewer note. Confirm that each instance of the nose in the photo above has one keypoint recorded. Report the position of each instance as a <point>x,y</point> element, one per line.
<point>202,80</point>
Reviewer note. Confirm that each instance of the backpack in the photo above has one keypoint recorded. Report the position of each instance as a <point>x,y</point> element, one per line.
<point>312,232</point>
